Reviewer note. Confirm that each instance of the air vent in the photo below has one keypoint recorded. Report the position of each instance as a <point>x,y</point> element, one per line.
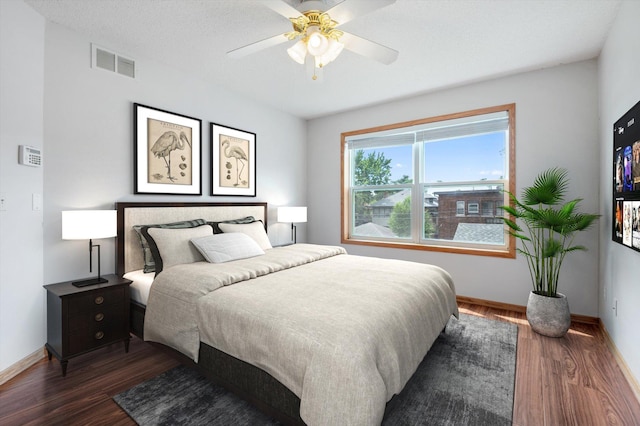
<point>110,61</point>
<point>105,60</point>
<point>126,67</point>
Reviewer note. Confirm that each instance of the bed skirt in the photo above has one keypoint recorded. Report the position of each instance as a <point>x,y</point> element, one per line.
<point>243,379</point>
<point>250,383</point>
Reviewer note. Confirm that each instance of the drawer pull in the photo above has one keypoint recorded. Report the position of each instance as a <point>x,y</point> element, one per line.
<point>99,300</point>
<point>99,335</point>
<point>99,317</point>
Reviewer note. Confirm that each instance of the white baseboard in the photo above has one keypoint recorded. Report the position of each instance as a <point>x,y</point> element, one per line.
<point>17,368</point>
<point>633,382</point>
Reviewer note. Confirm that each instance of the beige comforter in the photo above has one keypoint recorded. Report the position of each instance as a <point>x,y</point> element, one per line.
<point>344,333</point>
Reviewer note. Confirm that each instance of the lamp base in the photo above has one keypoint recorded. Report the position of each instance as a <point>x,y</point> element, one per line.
<point>90,281</point>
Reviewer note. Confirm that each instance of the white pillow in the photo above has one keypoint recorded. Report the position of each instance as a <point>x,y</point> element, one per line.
<point>255,230</point>
<point>220,248</point>
<point>173,246</point>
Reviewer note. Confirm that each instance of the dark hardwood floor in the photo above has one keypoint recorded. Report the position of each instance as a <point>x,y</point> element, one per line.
<point>569,381</point>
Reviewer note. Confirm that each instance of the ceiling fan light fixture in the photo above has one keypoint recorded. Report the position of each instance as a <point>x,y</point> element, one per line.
<point>317,43</point>
<point>317,35</point>
<point>298,52</point>
<point>314,32</point>
<point>335,48</point>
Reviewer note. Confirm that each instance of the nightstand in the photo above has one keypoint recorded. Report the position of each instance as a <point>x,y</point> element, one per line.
<point>81,319</point>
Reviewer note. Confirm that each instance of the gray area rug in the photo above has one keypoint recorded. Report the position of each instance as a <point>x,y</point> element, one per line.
<point>467,378</point>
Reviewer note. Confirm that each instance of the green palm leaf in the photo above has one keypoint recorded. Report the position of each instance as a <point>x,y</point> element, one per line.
<point>548,231</point>
<point>552,248</point>
<point>548,188</point>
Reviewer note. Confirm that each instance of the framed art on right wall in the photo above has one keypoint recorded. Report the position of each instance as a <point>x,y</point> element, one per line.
<point>626,179</point>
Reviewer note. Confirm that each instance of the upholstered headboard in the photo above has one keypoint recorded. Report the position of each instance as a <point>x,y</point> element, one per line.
<point>128,252</point>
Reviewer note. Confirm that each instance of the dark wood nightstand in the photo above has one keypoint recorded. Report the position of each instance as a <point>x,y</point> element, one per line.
<point>81,319</point>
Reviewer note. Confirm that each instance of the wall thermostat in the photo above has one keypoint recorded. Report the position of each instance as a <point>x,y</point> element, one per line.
<point>30,156</point>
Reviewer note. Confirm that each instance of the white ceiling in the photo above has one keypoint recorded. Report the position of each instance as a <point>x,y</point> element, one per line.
<point>442,43</point>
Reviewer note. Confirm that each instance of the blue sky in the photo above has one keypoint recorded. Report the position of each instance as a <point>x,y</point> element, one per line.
<point>454,160</point>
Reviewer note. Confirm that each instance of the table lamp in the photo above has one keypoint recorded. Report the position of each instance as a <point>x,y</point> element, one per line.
<point>293,215</point>
<point>89,225</point>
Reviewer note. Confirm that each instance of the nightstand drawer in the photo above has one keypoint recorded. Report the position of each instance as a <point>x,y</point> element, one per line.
<point>83,322</point>
<point>96,299</point>
<point>98,335</point>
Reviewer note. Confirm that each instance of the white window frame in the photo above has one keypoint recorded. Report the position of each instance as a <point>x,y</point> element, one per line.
<point>460,208</point>
<point>418,187</point>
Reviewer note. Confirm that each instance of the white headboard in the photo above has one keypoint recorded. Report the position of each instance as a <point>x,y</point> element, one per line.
<point>128,251</point>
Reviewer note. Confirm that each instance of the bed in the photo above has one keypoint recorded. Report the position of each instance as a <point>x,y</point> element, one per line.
<point>308,333</point>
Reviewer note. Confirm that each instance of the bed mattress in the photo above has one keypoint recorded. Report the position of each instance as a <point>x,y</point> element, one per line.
<point>140,285</point>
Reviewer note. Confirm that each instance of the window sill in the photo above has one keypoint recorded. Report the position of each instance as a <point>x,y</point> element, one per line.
<point>502,253</point>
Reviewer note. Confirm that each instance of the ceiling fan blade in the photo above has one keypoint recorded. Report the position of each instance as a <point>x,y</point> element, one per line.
<point>348,10</point>
<point>369,49</point>
<point>282,8</point>
<point>257,46</point>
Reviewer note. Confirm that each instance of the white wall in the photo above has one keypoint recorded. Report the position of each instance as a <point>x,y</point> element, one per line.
<point>89,142</point>
<point>556,125</point>
<point>21,105</point>
<point>620,266</point>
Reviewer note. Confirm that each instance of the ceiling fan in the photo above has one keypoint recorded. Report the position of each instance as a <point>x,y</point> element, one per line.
<point>317,33</point>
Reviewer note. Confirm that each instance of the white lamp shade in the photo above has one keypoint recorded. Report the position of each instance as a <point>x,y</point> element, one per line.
<point>298,52</point>
<point>292,214</point>
<point>317,44</point>
<point>88,224</point>
<point>335,48</point>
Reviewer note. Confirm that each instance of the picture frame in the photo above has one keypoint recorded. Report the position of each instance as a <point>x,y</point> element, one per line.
<point>233,161</point>
<point>167,152</point>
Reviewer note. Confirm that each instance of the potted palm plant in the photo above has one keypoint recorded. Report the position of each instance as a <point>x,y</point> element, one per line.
<point>549,226</point>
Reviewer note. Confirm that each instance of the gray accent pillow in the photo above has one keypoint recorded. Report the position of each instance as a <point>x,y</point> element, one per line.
<point>216,227</point>
<point>149,263</point>
<point>255,230</point>
<point>220,248</point>
<point>173,246</point>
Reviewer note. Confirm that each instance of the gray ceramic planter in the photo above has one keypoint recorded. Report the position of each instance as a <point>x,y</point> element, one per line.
<point>549,316</point>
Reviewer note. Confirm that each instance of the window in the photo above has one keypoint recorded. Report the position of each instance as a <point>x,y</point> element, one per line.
<point>487,208</point>
<point>431,184</point>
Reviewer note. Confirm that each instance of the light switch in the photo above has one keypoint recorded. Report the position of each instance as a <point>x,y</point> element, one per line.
<point>36,202</point>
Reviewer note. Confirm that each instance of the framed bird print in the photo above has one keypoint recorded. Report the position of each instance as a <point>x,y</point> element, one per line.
<point>233,161</point>
<point>167,152</point>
